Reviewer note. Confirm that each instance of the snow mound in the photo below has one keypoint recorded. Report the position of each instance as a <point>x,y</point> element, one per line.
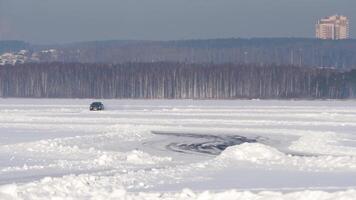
<point>326,143</point>
<point>251,152</point>
<point>266,195</point>
<point>67,187</point>
<point>8,192</point>
<point>264,155</point>
<point>92,187</point>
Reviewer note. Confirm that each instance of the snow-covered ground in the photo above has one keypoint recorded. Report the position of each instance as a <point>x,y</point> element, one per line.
<point>169,149</point>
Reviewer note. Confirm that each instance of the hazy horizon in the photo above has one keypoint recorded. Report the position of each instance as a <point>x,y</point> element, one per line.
<point>46,22</point>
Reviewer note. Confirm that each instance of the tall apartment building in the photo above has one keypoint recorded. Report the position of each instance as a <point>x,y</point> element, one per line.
<point>335,27</point>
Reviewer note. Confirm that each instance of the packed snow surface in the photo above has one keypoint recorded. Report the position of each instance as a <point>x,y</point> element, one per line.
<point>170,149</point>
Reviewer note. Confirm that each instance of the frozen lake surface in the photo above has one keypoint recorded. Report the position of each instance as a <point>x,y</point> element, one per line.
<point>177,149</point>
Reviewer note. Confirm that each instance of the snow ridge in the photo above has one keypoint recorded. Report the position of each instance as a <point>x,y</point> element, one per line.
<point>267,156</point>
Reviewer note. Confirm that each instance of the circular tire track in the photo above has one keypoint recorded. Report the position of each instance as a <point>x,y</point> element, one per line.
<point>204,144</point>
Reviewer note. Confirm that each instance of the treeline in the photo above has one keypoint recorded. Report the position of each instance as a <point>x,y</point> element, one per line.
<point>282,51</point>
<point>258,51</point>
<point>174,81</point>
<point>13,46</point>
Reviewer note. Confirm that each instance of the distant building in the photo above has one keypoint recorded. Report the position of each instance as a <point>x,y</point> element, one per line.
<point>335,27</point>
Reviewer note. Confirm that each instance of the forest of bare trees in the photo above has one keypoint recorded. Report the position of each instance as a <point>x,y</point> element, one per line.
<point>174,80</point>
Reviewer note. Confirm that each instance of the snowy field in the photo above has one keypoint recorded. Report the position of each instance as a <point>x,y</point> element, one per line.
<point>137,149</point>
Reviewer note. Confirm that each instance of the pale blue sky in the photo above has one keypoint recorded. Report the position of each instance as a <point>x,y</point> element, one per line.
<point>58,21</point>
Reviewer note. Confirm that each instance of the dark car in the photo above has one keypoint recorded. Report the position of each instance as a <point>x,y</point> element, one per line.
<point>96,106</point>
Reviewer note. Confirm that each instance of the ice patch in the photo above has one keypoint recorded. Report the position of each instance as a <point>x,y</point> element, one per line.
<point>128,132</point>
